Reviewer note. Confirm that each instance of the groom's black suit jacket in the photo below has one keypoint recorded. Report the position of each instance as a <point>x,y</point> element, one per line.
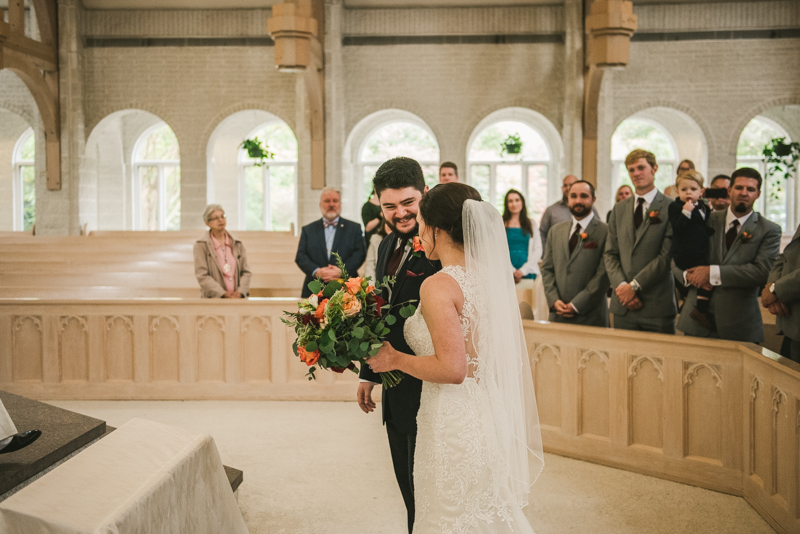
<point>401,402</point>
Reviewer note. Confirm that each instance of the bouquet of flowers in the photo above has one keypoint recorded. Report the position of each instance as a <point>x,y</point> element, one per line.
<point>343,323</point>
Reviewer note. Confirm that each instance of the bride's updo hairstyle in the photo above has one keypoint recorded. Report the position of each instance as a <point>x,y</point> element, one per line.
<point>441,209</point>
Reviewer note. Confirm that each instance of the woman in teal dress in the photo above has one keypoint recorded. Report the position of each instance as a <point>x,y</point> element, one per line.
<point>524,242</point>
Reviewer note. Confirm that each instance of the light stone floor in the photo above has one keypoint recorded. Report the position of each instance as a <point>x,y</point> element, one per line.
<point>324,467</point>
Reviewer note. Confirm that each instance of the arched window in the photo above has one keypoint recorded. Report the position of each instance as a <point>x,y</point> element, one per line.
<point>775,201</point>
<point>635,133</point>
<point>269,191</point>
<point>157,183</point>
<point>25,182</point>
<point>493,171</point>
<point>398,138</point>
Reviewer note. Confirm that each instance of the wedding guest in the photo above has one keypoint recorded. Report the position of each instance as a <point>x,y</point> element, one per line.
<point>684,166</point>
<point>371,217</point>
<point>781,296</point>
<point>574,272</point>
<point>220,260</point>
<point>558,212</point>
<point>689,217</point>
<point>400,185</point>
<point>638,253</point>
<point>742,251</point>
<point>448,172</point>
<point>523,238</point>
<point>720,182</point>
<point>623,192</point>
<point>320,239</point>
<point>372,249</point>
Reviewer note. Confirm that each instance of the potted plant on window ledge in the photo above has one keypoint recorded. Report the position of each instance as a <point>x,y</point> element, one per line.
<point>512,145</point>
<point>256,150</point>
<point>781,159</point>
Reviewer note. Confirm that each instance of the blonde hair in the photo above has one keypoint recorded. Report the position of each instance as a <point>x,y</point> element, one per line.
<point>692,175</point>
<point>638,154</point>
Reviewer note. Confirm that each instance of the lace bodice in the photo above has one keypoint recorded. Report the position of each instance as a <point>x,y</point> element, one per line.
<point>416,331</point>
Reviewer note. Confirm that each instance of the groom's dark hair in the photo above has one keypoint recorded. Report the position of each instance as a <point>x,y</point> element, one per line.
<point>399,173</point>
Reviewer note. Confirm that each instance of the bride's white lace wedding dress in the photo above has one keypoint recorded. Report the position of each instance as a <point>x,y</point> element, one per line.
<point>461,469</point>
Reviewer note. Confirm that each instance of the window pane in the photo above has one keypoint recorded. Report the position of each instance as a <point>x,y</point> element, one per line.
<point>28,196</point>
<point>755,137</point>
<point>488,146</point>
<point>479,179</point>
<point>280,140</point>
<point>281,196</point>
<point>172,177</point>
<point>161,144</point>
<point>28,151</point>
<point>368,173</point>
<point>537,191</point>
<point>400,139</point>
<point>636,133</point>
<point>431,173</point>
<point>776,200</point>
<point>508,177</point>
<point>254,197</point>
<point>148,197</point>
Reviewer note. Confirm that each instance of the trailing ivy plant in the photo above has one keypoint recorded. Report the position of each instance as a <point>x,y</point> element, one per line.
<point>512,145</point>
<point>780,158</point>
<point>255,150</point>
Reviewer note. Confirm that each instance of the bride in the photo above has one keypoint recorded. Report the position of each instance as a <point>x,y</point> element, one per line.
<point>479,446</point>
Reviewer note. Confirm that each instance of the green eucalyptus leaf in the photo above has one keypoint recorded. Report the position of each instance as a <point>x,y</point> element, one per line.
<point>390,319</point>
<point>311,346</point>
<point>315,286</point>
<point>331,288</point>
<point>364,346</point>
<point>358,332</point>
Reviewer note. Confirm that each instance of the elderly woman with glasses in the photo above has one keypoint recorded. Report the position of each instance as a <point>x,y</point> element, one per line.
<point>220,260</point>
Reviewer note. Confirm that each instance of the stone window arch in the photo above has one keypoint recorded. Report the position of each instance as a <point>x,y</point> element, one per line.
<point>157,180</point>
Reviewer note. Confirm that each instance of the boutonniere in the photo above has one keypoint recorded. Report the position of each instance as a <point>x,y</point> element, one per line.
<point>416,247</point>
<point>652,216</point>
<point>745,237</point>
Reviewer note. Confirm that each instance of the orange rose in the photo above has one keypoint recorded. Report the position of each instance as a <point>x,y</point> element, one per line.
<point>350,305</point>
<point>309,357</point>
<point>417,243</point>
<point>370,289</point>
<point>354,285</point>
<point>584,235</point>
<point>320,313</point>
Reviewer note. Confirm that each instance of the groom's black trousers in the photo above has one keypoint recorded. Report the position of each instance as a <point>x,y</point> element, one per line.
<point>402,448</point>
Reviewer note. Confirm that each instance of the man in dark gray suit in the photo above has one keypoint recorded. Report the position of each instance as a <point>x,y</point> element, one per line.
<point>638,253</point>
<point>742,250</point>
<point>781,297</point>
<point>574,272</point>
<point>320,239</point>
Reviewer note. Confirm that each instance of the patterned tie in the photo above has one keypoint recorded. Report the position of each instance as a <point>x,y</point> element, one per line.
<point>573,241</point>
<point>328,224</point>
<point>638,215</point>
<point>730,236</point>
<point>394,261</point>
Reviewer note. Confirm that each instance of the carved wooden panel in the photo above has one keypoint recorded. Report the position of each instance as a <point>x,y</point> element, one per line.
<point>28,343</point>
<point>594,395</point>
<point>546,368</point>
<point>646,401</point>
<point>760,430</point>
<point>256,349</point>
<point>703,412</point>
<point>210,348</point>
<point>783,434</point>
<point>73,348</point>
<point>119,348</point>
<point>164,349</point>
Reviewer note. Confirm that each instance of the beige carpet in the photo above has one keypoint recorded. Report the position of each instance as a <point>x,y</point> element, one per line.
<point>324,467</point>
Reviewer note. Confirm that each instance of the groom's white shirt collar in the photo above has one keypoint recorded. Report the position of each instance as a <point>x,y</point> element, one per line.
<point>583,222</point>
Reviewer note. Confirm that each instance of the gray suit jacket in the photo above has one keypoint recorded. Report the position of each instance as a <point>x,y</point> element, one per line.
<point>743,272</point>
<point>578,278</point>
<point>643,255</point>
<point>785,275</point>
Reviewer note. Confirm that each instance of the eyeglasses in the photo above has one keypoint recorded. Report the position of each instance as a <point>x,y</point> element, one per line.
<point>219,218</point>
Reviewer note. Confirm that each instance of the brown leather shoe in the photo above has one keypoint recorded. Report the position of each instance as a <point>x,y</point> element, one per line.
<point>701,318</point>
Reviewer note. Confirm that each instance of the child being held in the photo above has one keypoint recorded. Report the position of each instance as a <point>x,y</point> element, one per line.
<point>689,216</point>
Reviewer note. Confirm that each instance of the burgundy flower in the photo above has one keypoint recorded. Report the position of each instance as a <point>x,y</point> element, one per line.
<point>342,369</point>
<point>379,303</point>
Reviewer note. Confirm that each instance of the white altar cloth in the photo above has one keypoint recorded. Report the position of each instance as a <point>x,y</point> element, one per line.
<point>143,478</point>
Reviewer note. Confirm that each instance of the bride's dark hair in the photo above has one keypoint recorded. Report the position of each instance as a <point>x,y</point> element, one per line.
<point>441,208</point>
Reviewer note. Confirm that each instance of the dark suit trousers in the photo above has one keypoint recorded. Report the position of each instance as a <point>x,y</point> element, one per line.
<point>633,321</point>
<point>402,447</point>
<point>790,349</point>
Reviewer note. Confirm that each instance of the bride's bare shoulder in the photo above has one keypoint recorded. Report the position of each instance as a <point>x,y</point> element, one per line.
<point>440,288</point>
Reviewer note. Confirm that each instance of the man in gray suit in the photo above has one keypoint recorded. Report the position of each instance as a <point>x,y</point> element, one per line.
<point>781,297</point>
<point>742,250</point>
<point>573,272</point>
<point>638,253</point>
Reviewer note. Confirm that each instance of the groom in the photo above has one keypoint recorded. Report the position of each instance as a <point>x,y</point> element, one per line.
<point>399,184</point>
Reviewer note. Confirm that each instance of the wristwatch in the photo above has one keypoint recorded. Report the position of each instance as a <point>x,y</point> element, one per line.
<point>772,288</point>
<point>635,285</point>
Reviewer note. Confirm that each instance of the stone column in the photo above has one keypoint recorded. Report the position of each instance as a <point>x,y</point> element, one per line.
<point>572,132</point>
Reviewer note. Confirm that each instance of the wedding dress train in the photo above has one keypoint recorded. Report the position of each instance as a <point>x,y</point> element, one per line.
<point>461,463</point>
